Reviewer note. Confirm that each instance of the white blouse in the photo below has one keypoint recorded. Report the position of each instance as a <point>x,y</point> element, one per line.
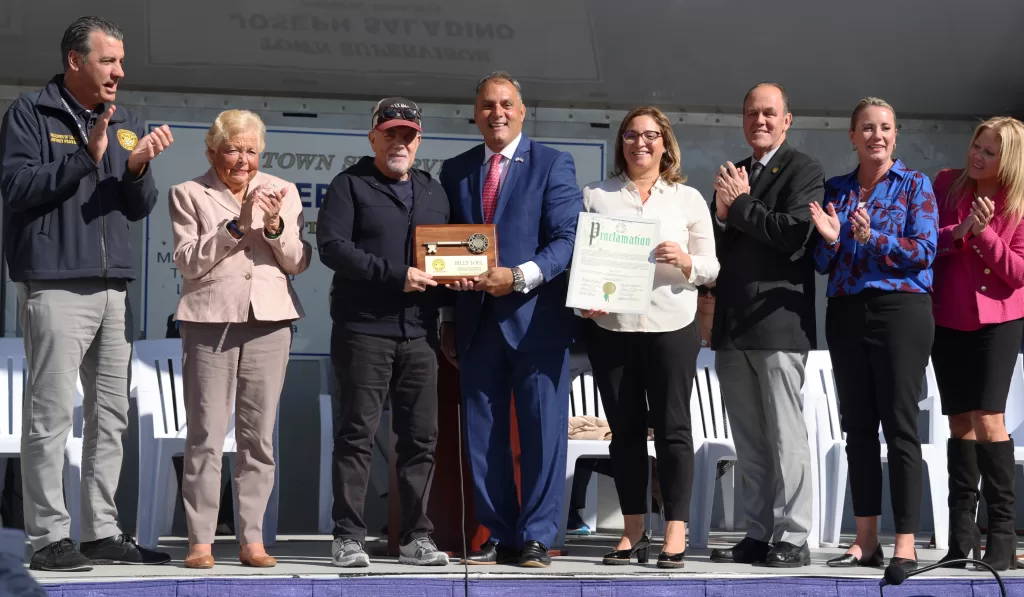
<point>686,219</point>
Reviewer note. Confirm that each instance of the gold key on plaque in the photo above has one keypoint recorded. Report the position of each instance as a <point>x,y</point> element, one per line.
<point>476,244</point>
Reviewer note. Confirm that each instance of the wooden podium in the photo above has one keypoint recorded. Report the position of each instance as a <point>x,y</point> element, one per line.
<point>446,495</point>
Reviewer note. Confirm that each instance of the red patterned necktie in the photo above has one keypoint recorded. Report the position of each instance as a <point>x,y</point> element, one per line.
<point>490,194</point>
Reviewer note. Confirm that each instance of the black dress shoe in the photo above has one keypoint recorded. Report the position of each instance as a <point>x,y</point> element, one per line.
<point>623,556</point>
<point>60,556</point>
<point>121,549</point>
<point>491,553</point>
<point>877,560</point>
<point>534,555</point>
<point>748,551</point>
<point>671,560</point>
<point>787,555</point>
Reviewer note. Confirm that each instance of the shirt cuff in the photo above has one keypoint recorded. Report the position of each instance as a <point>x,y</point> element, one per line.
<point>532,275</point>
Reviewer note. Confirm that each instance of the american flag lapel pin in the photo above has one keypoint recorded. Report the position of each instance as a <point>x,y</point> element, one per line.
<point>519,159</point>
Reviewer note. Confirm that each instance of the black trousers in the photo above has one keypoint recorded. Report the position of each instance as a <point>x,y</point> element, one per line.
<point>645,380</point>
<point>879,344</point>
<point>368,370</point>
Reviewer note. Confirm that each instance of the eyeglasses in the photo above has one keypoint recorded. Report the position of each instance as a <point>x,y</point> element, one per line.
<point>703,291</point>
<point>632,136</point>
<point>391,113</point>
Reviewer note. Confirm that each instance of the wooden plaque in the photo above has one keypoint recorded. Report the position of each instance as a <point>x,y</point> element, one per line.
<point>450,252</point>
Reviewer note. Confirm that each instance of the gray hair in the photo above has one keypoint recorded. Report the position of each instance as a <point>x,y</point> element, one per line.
<point>76,37</point>
<point>500,76</point>
<point>782,90</point>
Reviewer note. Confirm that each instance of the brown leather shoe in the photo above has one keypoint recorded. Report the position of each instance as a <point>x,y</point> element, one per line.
<point>257,561</point>
<point>203,561</point>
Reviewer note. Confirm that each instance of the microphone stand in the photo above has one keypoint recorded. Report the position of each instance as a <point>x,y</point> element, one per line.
<point>894,575</point>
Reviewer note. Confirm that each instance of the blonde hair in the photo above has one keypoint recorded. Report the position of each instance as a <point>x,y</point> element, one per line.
<point>671,164</point>
<point>231,123</point>
<point>1011,165</point>
<point>869,102</point>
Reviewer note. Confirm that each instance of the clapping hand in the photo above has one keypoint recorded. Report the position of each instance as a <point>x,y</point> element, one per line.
<point>729,184</point>
<point>982,210</point>
<point>149,147</point>
<point>860,222</point>
<point>827,223</point>
<point>270,200</point>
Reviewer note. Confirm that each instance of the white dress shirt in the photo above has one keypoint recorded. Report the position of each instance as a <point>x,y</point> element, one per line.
<point>686,220</point>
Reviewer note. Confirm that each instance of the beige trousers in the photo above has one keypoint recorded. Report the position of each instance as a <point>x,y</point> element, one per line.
<point>217,356</point>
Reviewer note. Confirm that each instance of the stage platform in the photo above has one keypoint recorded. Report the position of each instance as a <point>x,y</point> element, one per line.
<point>304,570</point>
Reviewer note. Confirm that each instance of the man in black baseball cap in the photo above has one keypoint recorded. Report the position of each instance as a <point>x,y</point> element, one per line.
<point>395,111</point>
<point>385,329</point>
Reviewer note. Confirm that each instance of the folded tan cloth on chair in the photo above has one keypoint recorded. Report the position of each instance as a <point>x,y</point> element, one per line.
<point>589,428</point>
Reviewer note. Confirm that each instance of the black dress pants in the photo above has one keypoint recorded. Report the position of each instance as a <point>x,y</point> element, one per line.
<point>879,344</point>
<point>646,380</point>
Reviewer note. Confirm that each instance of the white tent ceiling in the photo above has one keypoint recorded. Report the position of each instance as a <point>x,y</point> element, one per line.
<point>935,58</point>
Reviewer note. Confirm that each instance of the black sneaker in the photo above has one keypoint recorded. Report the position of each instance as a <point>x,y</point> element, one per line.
<point>60,556</point>
<point>121,549</point>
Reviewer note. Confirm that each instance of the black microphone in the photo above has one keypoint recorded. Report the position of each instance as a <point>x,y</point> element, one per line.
<point>896,574</point>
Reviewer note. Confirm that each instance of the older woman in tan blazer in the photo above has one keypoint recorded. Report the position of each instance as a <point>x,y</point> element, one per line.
<point>237,237</point>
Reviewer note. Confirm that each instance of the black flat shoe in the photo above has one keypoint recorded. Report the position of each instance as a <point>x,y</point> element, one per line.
<point>671,560</point>
<point>877,560</point>
<point>906,563</point>
<point>622,557</point>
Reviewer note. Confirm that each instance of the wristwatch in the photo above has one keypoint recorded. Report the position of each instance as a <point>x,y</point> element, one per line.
<point>232,227</point>
<point>518,280</point>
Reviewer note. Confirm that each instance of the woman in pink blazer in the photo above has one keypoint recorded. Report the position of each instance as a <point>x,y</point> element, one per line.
<point>237,237</point>
<point>978,302</point>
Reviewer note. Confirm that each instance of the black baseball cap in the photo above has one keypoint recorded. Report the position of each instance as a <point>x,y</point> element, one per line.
<point>396,111</point>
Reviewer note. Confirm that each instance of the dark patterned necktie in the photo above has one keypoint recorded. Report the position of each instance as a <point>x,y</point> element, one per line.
<point>755,172</point>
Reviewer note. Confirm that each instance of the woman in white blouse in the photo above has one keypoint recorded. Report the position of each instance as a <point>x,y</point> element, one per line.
<point>644,365</point>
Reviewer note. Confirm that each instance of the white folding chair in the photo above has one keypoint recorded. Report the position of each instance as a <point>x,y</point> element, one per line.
<point>13,377</point>
<point>712,442</point>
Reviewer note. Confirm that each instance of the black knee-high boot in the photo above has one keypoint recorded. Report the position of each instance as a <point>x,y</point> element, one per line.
<point>995,460</point>
<point>964,476</point>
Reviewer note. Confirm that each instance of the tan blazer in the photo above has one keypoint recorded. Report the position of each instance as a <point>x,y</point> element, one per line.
<point>223,276</point>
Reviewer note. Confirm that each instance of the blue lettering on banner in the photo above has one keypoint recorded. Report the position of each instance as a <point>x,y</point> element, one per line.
<point>306,192</point>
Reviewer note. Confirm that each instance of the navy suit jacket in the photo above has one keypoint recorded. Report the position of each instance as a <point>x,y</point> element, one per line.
<point>538,206</point>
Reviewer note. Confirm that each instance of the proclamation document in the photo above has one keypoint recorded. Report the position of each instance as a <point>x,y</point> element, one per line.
<point>612,264</point>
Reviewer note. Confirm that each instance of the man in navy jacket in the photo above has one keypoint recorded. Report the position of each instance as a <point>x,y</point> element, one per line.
<point>74,170</point>
<point>512,330</point>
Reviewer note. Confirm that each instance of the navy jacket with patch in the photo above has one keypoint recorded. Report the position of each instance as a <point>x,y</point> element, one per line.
<point>64,215</point>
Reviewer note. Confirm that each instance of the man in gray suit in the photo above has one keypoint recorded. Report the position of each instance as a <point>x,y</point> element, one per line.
<point>764,327</point>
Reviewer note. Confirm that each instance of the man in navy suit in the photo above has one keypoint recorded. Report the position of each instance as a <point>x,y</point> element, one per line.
<point>511,330</point>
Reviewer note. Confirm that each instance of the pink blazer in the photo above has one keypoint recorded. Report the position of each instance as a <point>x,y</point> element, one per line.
<point>979,280</point>
<point>223,276</point>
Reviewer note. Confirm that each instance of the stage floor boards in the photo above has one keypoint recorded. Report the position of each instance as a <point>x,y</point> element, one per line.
<point>309,557</point>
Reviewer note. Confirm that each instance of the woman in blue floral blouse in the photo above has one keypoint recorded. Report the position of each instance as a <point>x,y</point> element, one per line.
<point>877,231</point>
